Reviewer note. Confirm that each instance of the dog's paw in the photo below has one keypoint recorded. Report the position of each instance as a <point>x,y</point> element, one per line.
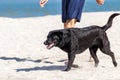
<point>67,69</point>
<point>115,64</point>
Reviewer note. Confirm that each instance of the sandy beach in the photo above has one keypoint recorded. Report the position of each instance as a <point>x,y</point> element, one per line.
<point>23,56</point>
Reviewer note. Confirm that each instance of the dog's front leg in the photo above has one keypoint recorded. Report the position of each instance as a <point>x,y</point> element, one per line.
<point>71,57</point>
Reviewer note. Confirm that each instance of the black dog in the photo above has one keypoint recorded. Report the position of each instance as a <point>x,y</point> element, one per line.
<point>76,40</point>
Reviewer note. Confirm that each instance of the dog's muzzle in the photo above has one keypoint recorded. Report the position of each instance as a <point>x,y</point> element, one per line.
<point>49,45</point>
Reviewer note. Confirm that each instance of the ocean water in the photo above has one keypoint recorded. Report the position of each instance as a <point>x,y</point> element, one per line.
<point>31,8</point>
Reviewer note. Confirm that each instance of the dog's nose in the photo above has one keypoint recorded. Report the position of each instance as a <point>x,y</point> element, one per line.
<point>45,43</point>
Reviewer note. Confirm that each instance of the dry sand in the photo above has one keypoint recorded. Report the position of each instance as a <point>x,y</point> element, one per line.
<point>24,57</point>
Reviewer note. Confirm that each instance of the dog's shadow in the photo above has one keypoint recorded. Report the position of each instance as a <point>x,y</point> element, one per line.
<point>47,68</point>
<point>19,59</point>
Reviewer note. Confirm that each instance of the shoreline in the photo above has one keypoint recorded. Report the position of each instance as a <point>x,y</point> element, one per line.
<point>59,14</point>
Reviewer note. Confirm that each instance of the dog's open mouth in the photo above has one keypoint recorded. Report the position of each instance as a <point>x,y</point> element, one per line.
<point>50,45</point>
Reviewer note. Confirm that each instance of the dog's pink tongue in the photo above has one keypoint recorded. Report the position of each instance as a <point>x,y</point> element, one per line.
<point>50,46</point>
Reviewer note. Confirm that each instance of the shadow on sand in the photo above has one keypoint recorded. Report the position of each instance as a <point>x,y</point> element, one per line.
<point>19,59</point>
<point>47,68</point>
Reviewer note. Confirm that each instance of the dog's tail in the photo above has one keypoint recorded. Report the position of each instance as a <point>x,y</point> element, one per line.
<point>109,23</point>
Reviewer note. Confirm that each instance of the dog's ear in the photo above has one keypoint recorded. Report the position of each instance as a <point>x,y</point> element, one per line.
<point>65,33</point>
<point>57,33</point>
<point>61,33</point>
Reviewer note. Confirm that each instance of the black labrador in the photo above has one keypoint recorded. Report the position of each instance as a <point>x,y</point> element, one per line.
<point>76,40</point>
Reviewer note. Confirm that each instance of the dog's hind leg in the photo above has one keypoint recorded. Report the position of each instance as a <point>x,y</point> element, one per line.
<point>105,48</point>
<point>93,51</point>
<point>107,51</point>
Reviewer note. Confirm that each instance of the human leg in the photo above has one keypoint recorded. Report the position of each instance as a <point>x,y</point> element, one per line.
<point>71,12</point>
<point>70,23</point>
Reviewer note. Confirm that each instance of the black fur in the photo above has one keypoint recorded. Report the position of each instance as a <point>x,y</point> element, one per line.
<point>76,40</point>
